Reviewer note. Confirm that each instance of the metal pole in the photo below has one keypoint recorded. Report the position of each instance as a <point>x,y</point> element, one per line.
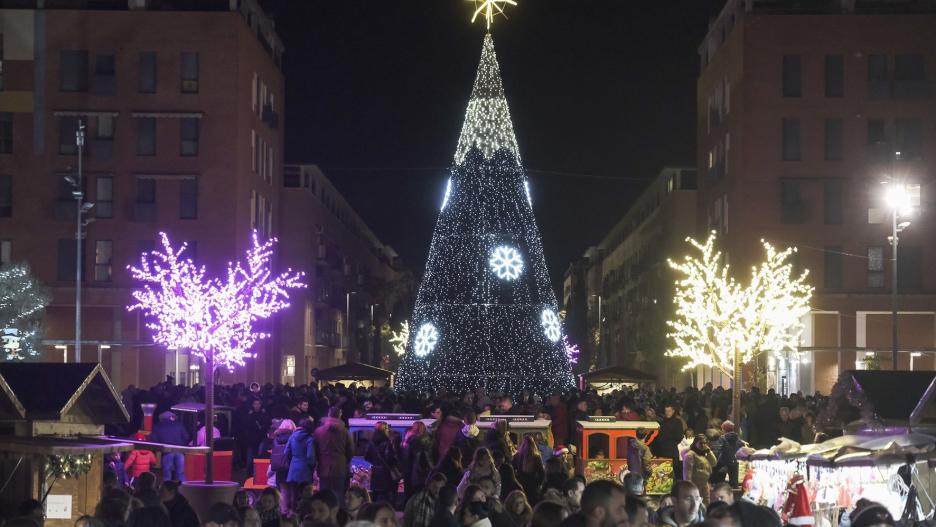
<point>347,326</point>
<point>177,367</point>
<point>374,340</point>
<point>209,417</point>
<point>600,336</point>
<point>894,289</point>
<point>79,197</point>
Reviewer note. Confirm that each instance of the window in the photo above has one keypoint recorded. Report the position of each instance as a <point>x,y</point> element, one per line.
<point>875,274</point>
<point>146,190</point>
<point>791,76</point>
<point>833,267</point>
<point>909,139</point>
<point>269,159</point>
<point>832,201</point>
<point>103,256</point>
<point>6,196</point>
<point>188,199</point>
<point>876,132</point>
<point>909,267</point>
<point>6,251</point>
<point>834,76</point>
<point>104,197</point>
<point>189,135</point>
<point>66,260</point>
<point>105,127</point>
<point>73,70</point>
<point>104,74</point>
<point>878,77</point>
<point>6,133</point>
<point>909,67</point>
<point>148,72</point>
<point>1,61</point>
<point>253,150</point>
<point>189,72</point>
<point>834,142</point>
<point>791,140</point>
<point>791,208</point>
<point>68,127</point>
<point>146,136</point>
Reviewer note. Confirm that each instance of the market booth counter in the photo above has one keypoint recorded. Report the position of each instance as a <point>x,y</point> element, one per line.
<point>519,426</point>
<point>53,417</point>
<point>603,454</point>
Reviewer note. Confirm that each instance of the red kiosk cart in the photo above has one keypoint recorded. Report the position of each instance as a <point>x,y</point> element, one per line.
<point>603,452</point>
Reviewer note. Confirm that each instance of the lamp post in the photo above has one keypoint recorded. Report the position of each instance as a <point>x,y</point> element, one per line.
<point>82,208</point>
<point>898,200</point>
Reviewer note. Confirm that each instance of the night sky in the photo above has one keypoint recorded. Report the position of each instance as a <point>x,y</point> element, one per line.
<point>602,95</point>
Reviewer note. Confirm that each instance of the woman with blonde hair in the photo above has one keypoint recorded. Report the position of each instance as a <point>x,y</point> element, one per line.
<point>518,508</point>
<point>279,464</point>
<point>482,466</point>
<point>416,449</point>
<point>528,465</point>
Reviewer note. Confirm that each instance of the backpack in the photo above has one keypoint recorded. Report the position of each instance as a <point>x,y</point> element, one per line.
<point>278,458</point>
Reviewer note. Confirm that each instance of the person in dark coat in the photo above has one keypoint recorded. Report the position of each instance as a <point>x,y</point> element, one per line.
<point>180,512</point>
<point>334,448</point>
<point>468,439</point>
<point>417,447</point>
<point>528,465</point>
<point>258,424</point>
<point>666,445</point>
<point>445,508</point>
<point>171,432</point>
<point>498,439</point>
<point>725,449</point>
<point>451,465</point>
<point>382,456</point>
<point>300,451</point>
<point>279,462</point>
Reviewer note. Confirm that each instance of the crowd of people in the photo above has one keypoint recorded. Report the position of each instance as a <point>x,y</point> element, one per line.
<point>455,475</point>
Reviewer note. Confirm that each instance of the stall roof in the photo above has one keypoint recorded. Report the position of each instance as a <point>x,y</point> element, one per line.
<point>62,446</point>
<point>354,371</point>
<point>42,391</point>
<point>199,407</point>
<point>618,374</point>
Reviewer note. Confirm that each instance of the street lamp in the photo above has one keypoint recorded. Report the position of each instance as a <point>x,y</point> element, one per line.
<point>83,208</point>
<point>898,200</point>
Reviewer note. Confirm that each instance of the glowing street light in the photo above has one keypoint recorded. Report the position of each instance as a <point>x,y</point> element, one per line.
<point>898,200</point>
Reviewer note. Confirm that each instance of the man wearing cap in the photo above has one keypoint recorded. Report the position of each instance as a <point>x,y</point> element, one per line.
<point>170,431</point>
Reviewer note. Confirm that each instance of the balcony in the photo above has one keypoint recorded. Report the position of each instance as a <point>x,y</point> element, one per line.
<point>144,212</point>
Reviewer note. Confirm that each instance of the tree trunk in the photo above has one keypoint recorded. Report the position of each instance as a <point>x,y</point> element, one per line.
<point>209,417</point>
<point>736,391</point>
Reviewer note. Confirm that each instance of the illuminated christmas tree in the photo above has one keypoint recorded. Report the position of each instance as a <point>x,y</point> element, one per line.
<point>486,314</point>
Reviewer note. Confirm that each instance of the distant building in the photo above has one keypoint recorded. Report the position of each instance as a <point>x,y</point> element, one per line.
<point>351,272</point>
<point>181,104</point>
<point>803,109</point>
<point>624,284</point>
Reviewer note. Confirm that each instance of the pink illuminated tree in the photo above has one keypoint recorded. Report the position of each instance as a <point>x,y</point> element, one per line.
<point>213,318</point>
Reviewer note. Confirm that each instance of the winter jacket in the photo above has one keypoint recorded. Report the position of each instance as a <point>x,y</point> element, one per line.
<point>638,456</point>
<point>334,448</point>
<point>381,454</point>
<point>417,466</point>
<point>466,442</point>
<point>665,517</point>
<point>697,468</point>
<point>258,423</point>
<point>452,472</point>
<point>447,430</point>
<point>494,442</point>
<point>508,480</point>
<point>139,461</point>
<point>170,432</point>
<point>281,440</point>
<point>300,450</point>
<point>444,518</point>
<point>671,433</point>
<point>532,481</point>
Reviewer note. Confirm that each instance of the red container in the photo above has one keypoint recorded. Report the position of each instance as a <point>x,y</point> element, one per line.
<point>195,466</point>
<point>261,466</point>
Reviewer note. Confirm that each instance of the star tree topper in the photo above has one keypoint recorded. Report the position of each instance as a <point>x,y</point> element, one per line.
<point>489,9</point>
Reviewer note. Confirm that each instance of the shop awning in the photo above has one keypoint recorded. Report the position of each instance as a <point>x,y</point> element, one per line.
<point>354,371</point>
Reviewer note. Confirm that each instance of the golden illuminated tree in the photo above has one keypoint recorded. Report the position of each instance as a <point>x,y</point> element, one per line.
<point>721,324</point>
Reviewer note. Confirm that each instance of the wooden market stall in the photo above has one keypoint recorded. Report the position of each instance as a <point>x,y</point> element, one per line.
<point>614,378</point>
<point>53,416</point>
<point>603,454</point>
<point>355,372</point>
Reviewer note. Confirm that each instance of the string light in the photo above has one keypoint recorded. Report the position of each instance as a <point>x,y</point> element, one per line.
<point>398,339</point>
<point>22,300</point>
<point>211,317</point>
<point>506,262</point>
<point>448,192</point>
<point>715,315</point>
<point>526,188</point>
<point>487,312</point>
<point>68,466</point>
<point>571,350</point>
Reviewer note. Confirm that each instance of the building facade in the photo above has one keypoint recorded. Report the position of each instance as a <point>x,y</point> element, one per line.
<point>804,109</point>
<point>355,284</point>
<point>181,104</point>
<point>623,284</point>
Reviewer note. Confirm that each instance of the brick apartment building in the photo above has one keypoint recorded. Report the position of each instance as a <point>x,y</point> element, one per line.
<point>356,286</point>
<point>181,102</point>
<point>804,108</point>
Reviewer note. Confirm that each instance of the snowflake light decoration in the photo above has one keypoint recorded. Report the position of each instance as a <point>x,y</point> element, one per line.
<point>448,192</point>
<point>550,323</point>
<point>426,339</point>
<point>399,339</point>
<point>506,262</point>
<point>571,350</point>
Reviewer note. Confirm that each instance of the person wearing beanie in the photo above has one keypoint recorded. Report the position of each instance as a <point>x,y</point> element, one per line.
<point>871,515</point>
<point>726,448</point>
